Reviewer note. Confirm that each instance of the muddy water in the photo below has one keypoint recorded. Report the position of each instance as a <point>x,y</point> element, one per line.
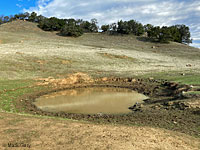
<point>90,101</point>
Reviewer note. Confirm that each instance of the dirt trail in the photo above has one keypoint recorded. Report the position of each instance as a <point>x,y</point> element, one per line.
<point>40,133</point>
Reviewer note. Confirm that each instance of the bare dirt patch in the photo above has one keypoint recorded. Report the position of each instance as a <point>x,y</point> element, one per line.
<point>117,56</point>
<point>41,133</point>
<point>69,80</point>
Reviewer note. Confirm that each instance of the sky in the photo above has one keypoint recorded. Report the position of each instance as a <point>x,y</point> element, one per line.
<point>156,12</point>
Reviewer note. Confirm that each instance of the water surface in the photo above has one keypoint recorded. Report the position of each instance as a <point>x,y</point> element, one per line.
<point>90,100</point>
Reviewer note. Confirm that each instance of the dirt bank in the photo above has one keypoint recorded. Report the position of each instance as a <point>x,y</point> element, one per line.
<point>164,108</point>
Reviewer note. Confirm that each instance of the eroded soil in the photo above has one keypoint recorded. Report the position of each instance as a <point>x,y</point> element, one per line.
<point>166,107</point>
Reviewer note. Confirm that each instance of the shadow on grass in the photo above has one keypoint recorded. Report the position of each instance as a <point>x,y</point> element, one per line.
<point>150,40</point>
<point>146,39</point>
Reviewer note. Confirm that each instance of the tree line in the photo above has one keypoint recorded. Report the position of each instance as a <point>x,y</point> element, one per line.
<point>175,33</point>
<point>72,27</point>
<point>65,27</point>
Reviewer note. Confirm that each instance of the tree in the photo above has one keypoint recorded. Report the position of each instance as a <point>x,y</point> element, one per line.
<point>89,26</point>
<point>6,19</point>
<point>184,34</point>
<point>71,30</point>
<point>11,18</point>
<point>85,25</point>
<point>176,36</point>
<point>154,33</point>
<point>135,27</point>
<point>51,24</point>
<point>105,28</point>
<point>45,24</point>
<point>148,27</point>
<point>56,24</point>
<point>33,17</point>
<point>1,19</point>
<point>93,26</point>
<point>113,29</point>
<point>180,34</point>
<point>26,15</point>
<point>122,27</point>
<point>139,29</point>
<point>165,35</point>
<point>40,18</point>
<point>130,27</point>
<point>79,22</point>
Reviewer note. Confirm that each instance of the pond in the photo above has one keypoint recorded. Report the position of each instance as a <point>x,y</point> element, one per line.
<point>90,100</point>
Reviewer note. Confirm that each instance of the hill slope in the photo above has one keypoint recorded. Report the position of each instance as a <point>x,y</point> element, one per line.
<point>17,31</point>
<point>20,26</point>
<point>95,54</point>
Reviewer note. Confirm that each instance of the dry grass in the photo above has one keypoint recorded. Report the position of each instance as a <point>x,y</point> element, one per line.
<point>43,133</point>
<point>30,54</point>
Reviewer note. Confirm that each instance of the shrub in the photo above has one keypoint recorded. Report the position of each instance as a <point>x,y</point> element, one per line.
<point>105,28</point>
<point>71,30</point>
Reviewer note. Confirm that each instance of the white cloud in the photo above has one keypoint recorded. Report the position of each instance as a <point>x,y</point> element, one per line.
<point>197,45</point>
<point>18,5</point>
<point>156,12</point>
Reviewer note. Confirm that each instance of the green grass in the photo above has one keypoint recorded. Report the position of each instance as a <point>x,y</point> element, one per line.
<point>14,84</point>
<point>11,90</point>
<point>188,78</point>
<point>193,93</point>
<point>9,131</point>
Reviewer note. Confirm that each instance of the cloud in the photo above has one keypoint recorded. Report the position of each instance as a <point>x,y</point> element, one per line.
<point>18,5</point>
<point>196,43</point>
<point>156,12</point>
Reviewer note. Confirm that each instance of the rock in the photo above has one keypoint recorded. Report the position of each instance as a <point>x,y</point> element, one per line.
<point>169,104</point>
<point>100,114</point>
<point>183,74</point>
<point>157,107</point>
<point>182,106</point>
<point>140,105</point>
<point>188,65</point>
<point>133,80</point>
<point>151,78</point>
<point>105,79</point>
<point>137,106</point>
<point>153,47</point>
<point>117,79</point>
<point>126,80</point>
<point>19,53</point>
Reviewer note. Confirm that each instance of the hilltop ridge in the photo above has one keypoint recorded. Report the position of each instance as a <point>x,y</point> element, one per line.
<point>20,26</point>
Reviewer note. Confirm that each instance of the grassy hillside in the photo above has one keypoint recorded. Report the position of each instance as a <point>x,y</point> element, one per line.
<point>33,53</point>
